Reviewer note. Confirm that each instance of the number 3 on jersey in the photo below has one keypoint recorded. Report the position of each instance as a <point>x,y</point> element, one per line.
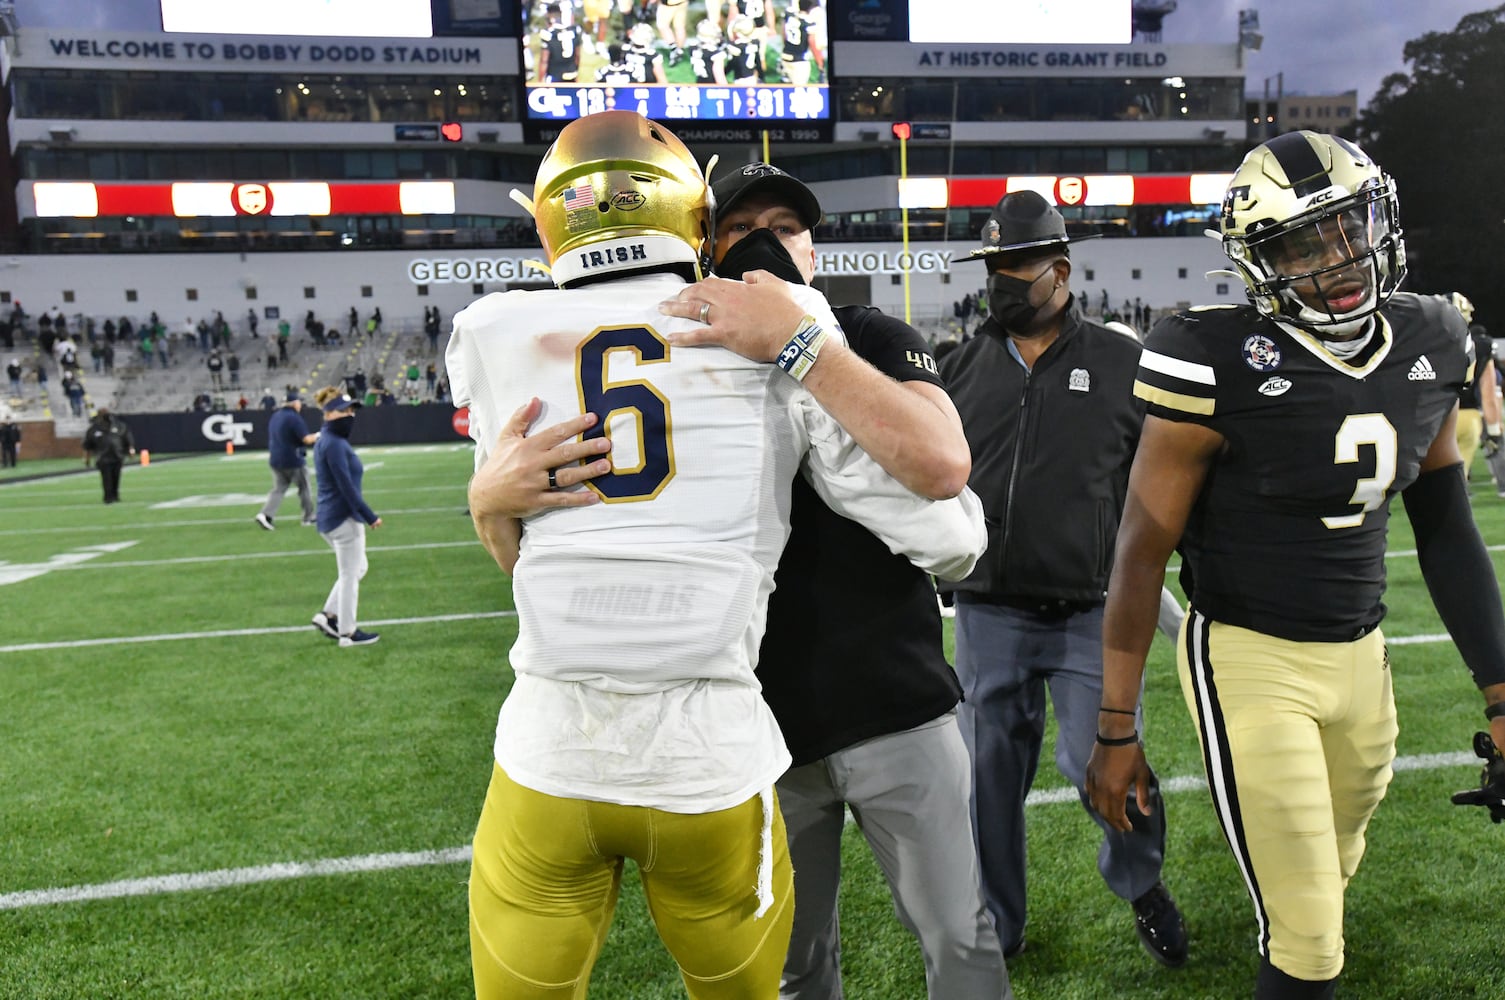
<point>633,405</point>
<point>1374,430</point>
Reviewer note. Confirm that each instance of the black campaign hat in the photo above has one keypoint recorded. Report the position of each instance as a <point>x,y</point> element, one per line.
<point>1023,220</point>
<point>765,178</point>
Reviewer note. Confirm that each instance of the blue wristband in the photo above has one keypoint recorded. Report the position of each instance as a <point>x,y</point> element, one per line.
<point>803,348</point>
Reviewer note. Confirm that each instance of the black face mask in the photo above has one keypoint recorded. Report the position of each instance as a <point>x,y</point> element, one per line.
<point>341,427</point>
<point>1008,300</point>
<point>759,250</point>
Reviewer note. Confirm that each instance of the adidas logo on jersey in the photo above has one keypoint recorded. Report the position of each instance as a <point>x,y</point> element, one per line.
<point>1422,371</point>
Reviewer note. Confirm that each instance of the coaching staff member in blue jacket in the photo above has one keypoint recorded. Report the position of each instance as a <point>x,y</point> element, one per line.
<point>287,436</point>
<point>343,516</point>
<point>1047,402</point>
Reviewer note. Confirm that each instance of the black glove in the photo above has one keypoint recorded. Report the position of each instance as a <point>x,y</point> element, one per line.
<point>1491,790</point>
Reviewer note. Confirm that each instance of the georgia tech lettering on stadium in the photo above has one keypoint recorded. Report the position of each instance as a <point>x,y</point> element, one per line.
<point>447,270</point>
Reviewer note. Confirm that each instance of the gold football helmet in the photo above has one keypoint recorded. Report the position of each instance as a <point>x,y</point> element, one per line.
<point>708,32</point>
<point>742,28</point>
<point>618,192</point>
<point>1462,303</point>
<point>1313,226</point>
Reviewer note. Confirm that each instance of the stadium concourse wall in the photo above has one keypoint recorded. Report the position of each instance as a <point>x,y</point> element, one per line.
<point>177,433</point>
<point>1162,271</point>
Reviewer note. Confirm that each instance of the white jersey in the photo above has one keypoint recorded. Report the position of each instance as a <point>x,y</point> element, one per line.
<point>640,617</point>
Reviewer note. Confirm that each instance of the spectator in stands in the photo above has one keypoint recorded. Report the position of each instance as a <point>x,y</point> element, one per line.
<point>271,354</point>
<point>13,372</point>
<point>867,703</point>
<point>432,375</point>
<point>216,365</point>
<point>42,379</point>
<point>10,443</point>
<point>202,403</point>
<point>251,321</point>
<point>107,355</point>
<point>127,329</point>
<point>1047,400</point>
<point>242,403</point>
<point>7,334</point>
<point>96,354</point>
<point>342,517</point>
<point>164,347</point>
<point>268,401</point>
<point>287,437</point>
<point>355,323</point>
<point>358,384</point>
<point>284,334</point>
<point>431,329</point>
<point>108,440</point>
<point>232,365</point>
<point>375,322</point>
<point>109,330</point>
<point>441,395</point>
<point>74,390</point>
<point>221,329</point>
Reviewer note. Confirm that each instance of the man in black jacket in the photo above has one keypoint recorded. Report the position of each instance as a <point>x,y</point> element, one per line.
<point>109,441</point>
<point>851,662</point>
<point>1046,399</point>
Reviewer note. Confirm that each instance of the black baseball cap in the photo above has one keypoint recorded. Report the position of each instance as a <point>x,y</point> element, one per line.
<point>293,396</point>
<point>765,178</point>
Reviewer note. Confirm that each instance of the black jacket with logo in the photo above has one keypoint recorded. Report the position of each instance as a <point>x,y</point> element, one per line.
<point>1051,450</point>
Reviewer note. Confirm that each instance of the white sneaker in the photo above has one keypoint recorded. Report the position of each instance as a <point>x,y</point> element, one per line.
<point>264,521</point>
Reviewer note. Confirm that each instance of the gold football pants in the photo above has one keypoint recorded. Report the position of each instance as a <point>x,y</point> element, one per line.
<point>544,881</point>
<point>1297,739</point>
<point>1469,431</point>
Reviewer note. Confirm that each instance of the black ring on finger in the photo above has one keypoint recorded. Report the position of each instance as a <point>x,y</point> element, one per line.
<point>553,483</point>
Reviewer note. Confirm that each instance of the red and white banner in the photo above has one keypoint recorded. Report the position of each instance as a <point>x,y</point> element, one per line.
<point>84,200</point>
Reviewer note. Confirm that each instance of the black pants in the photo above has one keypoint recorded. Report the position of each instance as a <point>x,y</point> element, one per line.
<point>109,475</point>
<point>8,455</point>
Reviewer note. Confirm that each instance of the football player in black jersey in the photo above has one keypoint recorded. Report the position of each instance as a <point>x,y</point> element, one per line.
<point>1478,410</point>
<point>803,46</point>
<point>707,55</point>
<point>559,49</point>
<point>1277,434</point>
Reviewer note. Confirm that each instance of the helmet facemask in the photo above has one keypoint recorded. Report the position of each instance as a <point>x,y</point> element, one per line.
<point>1322,252</point>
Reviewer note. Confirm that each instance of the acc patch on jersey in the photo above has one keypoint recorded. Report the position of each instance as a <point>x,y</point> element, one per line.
<point>1260,353</point>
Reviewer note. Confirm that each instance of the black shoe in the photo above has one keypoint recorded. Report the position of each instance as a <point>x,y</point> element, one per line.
<point>328,624</point>
<point>1014,949</point>
<point>358,638</point>
<point>1161,930</point>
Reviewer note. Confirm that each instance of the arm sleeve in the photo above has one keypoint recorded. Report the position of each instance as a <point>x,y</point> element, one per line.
<point>1458,571</point>
<point>941,537</point>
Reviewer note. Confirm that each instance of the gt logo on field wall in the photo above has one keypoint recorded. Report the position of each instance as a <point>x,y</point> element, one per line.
<point>223,427</point>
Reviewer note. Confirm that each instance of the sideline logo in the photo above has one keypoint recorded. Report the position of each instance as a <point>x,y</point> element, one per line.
<point>223,427</point>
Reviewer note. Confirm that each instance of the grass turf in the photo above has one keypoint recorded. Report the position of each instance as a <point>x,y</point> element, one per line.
<point>250,740</point>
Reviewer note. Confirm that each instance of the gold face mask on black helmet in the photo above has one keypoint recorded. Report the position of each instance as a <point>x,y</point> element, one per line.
<point>1312,225</point>
<point>618,192</point>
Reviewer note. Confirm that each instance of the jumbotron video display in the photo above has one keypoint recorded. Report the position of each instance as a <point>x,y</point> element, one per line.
<point>749,62</point>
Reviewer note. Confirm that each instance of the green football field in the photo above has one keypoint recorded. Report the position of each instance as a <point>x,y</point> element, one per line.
<point>201,797</point>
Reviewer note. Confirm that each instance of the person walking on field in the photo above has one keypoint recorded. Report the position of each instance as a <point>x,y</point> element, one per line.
<point>343,516</point>
<point>287,437</point>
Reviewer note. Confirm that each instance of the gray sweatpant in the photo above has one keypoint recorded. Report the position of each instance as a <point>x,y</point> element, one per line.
<point>909,793</point>
<point>349,544</point>
<point>281,480</point>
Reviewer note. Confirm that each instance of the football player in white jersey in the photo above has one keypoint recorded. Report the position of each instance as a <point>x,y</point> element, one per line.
<point>635,728</point>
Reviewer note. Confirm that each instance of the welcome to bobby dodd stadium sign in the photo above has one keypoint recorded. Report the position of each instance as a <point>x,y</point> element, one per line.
<point>467,270</point>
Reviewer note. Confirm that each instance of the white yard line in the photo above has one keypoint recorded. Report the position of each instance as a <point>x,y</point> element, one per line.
<point>457,508</point>
<point>122,640</point>
<point>226,877</point>
<point>243,556</point>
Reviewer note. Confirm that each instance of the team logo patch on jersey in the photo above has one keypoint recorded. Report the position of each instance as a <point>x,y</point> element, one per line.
<point>1261,354</point>
<point>1422,371</point>
<point>1079,380</point>
<point>1274,386</point>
